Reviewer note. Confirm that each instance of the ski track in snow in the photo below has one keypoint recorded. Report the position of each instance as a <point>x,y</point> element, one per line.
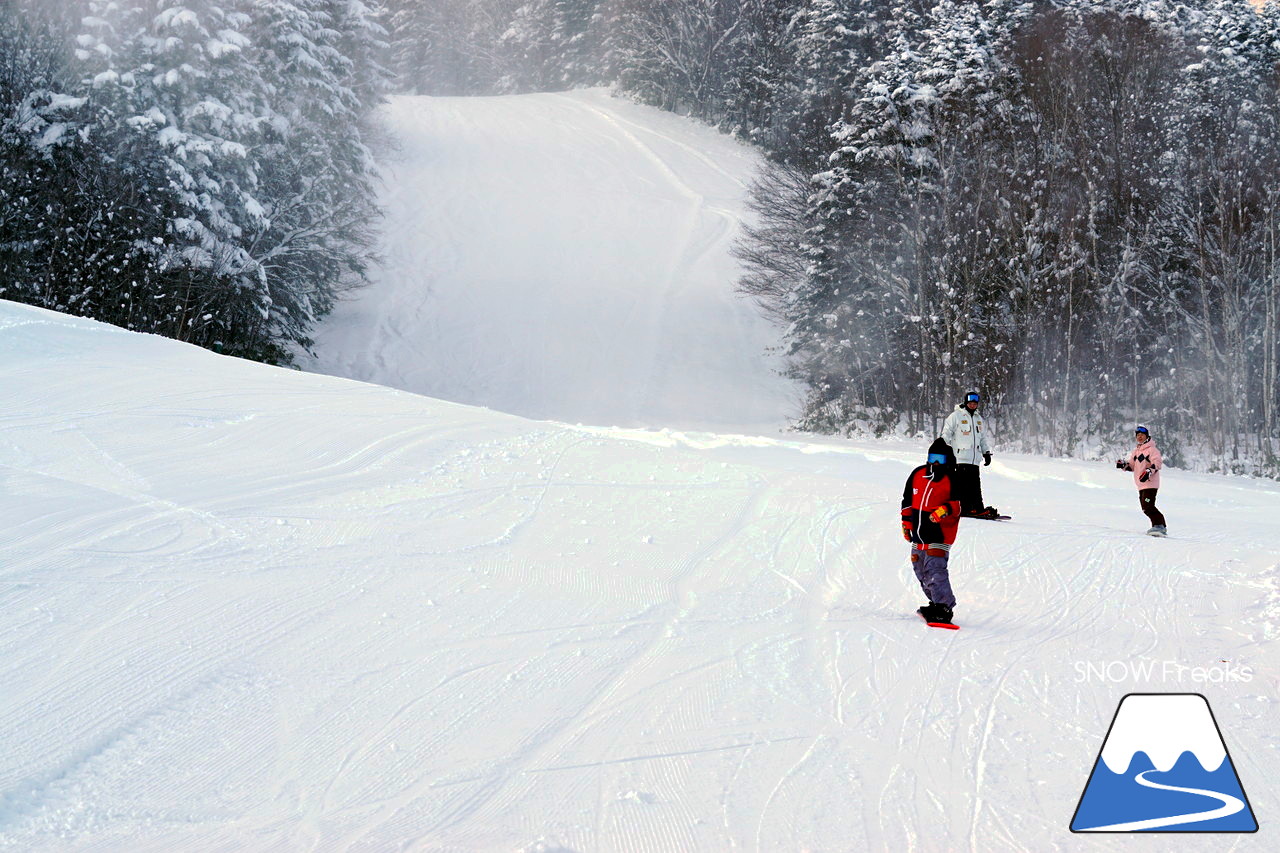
<point>244,608</point>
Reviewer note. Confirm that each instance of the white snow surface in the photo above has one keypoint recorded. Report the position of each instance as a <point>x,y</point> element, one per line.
<point>246,608</point>
<point>1163,727</point>
<point>562,256</point>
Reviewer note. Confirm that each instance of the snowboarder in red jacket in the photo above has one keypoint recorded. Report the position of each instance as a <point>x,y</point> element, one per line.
<point>930,519</point>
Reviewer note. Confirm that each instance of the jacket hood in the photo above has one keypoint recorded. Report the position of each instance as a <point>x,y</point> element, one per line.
<point>940,448</point>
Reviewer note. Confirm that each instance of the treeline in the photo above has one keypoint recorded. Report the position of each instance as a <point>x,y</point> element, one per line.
<point>485,47</point>
<point>1070,205</point>
<point>197,169</point>
<point>718,60</point>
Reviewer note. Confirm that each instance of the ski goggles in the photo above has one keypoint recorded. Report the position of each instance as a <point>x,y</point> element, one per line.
<point>972,398</point>
<point>938,458</point>
<point>1141,430</point>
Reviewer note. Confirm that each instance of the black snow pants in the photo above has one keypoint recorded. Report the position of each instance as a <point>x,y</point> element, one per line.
<point>966,487</point>
<point>1147,499</point>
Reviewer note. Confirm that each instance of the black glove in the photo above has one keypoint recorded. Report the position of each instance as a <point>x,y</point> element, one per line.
<point>986,458</point>
<point>1146,475</point>
<point>1122,465</point>
<point>906,530</point>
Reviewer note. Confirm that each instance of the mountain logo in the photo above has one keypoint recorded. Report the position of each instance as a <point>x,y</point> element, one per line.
<point>1164,767</point>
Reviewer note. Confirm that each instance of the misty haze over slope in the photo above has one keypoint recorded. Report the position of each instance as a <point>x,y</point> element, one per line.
<point>562,256</point>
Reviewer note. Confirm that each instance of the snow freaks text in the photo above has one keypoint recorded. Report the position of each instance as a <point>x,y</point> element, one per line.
<point>1122,671</point>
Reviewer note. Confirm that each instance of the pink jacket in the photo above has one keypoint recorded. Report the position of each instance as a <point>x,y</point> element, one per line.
<point>1143,457</point>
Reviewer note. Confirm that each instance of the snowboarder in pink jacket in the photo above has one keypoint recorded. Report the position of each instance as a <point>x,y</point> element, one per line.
<point>1145,462</point>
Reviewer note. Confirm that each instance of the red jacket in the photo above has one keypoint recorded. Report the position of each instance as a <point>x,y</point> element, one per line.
<point>921,497</point>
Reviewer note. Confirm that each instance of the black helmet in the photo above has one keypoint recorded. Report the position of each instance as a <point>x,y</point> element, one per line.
<point>973,397</point>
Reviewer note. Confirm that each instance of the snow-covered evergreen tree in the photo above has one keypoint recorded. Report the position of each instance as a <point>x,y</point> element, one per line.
<point>177,77</point>
<point>38,124</point>
<point>722,60</point>
<point>196,178</point>
<point>835,42</point>
<point>85,204</point>
<point>549,45</point>
<point>902,303</point>
<point>450,47</point>
<point>318,59</point>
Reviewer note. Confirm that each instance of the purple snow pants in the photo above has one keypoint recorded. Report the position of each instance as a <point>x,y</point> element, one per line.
<point>931,571</point>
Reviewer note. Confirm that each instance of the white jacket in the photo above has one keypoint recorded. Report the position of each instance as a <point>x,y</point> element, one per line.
<point>966,435</point>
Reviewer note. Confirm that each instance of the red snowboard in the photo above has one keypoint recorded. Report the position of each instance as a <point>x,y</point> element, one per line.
<point>948,625</point>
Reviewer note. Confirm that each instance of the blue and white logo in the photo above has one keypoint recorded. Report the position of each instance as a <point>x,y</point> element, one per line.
<point>1164,768</point>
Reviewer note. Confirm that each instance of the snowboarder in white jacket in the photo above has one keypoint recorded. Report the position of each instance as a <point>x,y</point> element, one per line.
<point>966,434</point>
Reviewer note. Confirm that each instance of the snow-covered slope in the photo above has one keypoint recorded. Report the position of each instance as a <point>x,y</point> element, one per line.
<point>562,256</point>
<point>244,608</point>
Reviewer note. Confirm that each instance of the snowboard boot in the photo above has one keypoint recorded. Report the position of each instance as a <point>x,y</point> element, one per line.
<point>1158,530</point>
<point>935,612</point>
